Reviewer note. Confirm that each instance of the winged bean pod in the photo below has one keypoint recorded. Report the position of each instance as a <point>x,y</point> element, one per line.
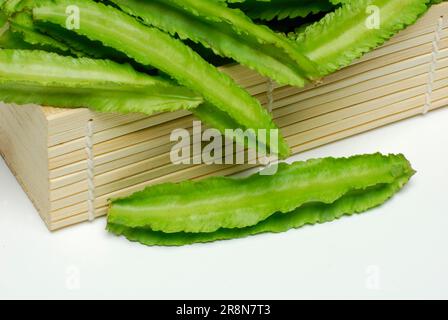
<point>268,55</point>
<point>282,9</point>
<point>224,203</point>
<point>49,79</point>
<point>150,46</point>
<point>310,214</point>
<point>345,35</point>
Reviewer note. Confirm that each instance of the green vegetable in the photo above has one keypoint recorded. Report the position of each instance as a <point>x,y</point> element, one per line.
<point>156,33</point>
<point>82,46</point>
<point>52,38</point>
<point>282,9</point>
<point>222,208</point>
<point>343,36</point>
<point>213,11</point>
<point>22,25</point>
<point>49,79</point>
<point>228,33</point>
<point>9,39</point>
<point>150,46</point>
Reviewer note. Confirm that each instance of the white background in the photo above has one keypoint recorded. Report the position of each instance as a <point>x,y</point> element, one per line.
<point>397,251</point>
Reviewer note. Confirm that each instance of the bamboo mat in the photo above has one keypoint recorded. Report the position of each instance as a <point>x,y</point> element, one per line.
<point>84,158</point>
